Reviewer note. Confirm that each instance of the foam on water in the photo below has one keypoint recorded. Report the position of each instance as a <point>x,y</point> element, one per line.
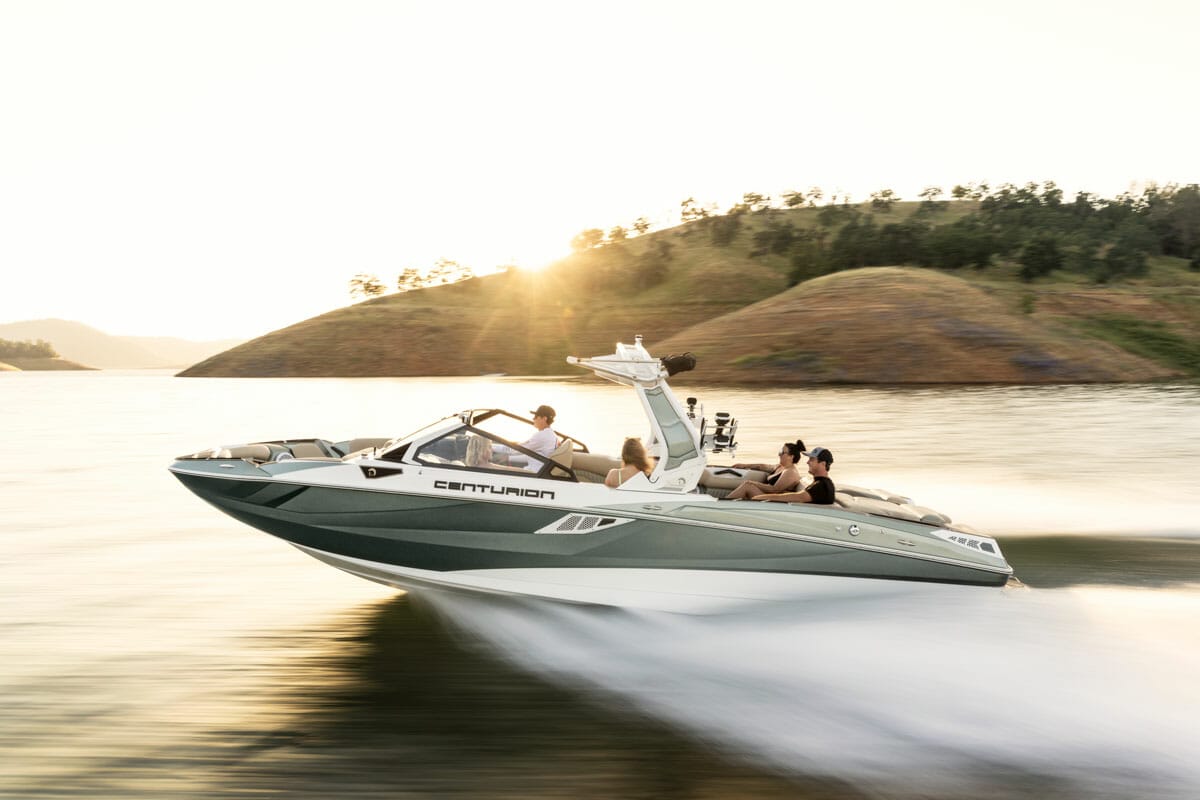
<point>948,691</point>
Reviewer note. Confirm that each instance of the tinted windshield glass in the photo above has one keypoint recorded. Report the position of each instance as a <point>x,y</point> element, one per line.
<point>471,449</point>
<point>676,434</point>
<point>506,428</point>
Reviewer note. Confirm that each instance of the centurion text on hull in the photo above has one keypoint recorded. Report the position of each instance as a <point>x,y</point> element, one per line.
<point>428,510</point>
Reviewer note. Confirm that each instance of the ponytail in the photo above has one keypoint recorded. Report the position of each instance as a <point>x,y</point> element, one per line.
<point>795,449</point>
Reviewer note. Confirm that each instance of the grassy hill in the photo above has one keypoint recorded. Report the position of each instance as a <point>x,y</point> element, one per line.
<point>736,312</point>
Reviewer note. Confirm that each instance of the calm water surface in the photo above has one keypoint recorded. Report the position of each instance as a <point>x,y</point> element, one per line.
<point>155,648</point>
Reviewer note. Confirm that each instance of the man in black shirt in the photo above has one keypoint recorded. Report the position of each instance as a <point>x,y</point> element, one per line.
<point>820,491</point>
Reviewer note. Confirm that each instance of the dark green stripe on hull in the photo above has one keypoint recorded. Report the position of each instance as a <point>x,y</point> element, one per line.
<point>442,534</point>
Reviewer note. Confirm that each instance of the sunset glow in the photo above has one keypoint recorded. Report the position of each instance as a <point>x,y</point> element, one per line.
<point>222,155</point>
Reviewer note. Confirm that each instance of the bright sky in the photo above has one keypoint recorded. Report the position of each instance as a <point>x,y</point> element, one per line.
<point>217,169</point>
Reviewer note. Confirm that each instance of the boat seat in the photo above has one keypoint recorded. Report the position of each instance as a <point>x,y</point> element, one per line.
<point>252,452</point>
<point>873,494</point>
<point>356,445</point>
<point>307,450</point>
<point>563,454</point>
<point>869,505</point>
<point>728,477</point>
<point>593,467</point>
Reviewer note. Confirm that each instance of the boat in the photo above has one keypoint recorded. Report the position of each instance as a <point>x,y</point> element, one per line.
<point>459,504</point>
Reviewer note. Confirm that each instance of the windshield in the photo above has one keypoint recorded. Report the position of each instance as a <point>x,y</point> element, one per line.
<point>502,426</point>
<point>391,443</point>
<point>469,448</point>
<point>676,433</point>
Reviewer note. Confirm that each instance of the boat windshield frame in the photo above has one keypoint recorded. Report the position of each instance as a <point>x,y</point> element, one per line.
<point>675,442</point>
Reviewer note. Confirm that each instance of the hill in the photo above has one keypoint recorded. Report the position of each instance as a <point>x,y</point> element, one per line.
<point>40,364</point>
<point>897,325</point>
<point>683,291</point>
<point>75,341</point>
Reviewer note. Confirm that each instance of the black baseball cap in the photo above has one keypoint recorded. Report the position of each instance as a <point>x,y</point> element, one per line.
<point>544,411</point>
<point>822,455</point>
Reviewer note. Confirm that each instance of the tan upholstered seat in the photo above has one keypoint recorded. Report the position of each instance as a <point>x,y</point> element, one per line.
<point>254,452</point>
<point>563,453</point>
<point>712,478</point>
<point>306,450</point>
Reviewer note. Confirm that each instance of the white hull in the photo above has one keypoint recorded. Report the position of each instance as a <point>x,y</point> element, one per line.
<point>681,591</point>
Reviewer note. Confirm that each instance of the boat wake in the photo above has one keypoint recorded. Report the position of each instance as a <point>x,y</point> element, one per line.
<point>935,690</point>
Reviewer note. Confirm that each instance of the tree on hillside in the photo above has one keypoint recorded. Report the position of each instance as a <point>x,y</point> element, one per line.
<point>1176,221</point>
<point>587,240</point>
<point>1051,195</point>
<point>883,200</point>
<point>1123,259</point>
<point>690,210</point>
<point>815,194</point>
<point>855,245</point>
<point>756,202</point>
<point>776,238</point>
<point>652,265</point>
<point>793,199</point>
<point>724,229</point>
<point>832,214</point>
<point>809,260</point>
<point>641,225</point>
<point>901,242</point>
<point>444,271</point>
<point>1041,256</point>
<point>364,285</point>
<point>929,200</point>
<point>617,234</point>
<point>409,279</point>
<point>965,242</point>
<point>27,349</point>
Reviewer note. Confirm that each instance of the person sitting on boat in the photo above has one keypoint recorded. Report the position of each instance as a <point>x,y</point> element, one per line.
<point>633,461</point>
<point>820,492</point>
<point>784,477</point>
<point>543,441</point>
<point>479,452</point>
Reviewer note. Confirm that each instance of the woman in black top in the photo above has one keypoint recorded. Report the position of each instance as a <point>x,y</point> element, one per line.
<point>784,477</point>
<point>820,492</point>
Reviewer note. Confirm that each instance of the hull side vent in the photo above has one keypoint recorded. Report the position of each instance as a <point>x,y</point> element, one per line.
<point>582,523</point>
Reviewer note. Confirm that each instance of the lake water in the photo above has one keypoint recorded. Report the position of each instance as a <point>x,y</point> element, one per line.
<point>153,647</point>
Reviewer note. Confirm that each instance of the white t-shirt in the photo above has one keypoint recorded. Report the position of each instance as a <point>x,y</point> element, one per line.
<point>543,442</point>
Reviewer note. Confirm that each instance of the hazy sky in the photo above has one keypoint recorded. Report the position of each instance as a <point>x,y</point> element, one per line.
<point>216,169</point>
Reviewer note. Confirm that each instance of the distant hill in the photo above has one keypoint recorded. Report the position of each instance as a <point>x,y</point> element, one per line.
<point>683,291</point>
<point>40,364</point>
<point>896,325</point>
<point>77,342</point>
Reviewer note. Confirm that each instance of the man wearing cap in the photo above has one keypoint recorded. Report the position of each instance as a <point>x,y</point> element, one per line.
<point>820,491</point>
<point>544,440</point>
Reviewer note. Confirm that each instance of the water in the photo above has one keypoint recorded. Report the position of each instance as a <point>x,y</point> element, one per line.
<point>155,648</point>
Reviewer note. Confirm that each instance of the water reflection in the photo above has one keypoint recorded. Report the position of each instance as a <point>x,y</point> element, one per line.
<point>396,704</point>
<point>932,691</point>
<point>155,648</point>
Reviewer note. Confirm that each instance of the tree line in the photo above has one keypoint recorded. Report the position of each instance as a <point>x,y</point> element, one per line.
<point>1033,226</point>
<point>443,271</point>
<point>26,349</point>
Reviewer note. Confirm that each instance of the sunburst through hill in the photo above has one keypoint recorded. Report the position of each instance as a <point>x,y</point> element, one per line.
<point>724,294</point>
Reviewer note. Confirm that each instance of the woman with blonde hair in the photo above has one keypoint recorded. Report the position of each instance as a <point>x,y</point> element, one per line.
<point>633,461</point>
<point>479,452</point>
